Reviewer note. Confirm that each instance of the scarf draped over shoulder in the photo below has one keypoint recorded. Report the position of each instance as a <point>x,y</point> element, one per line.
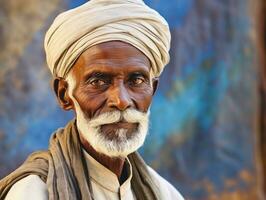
<point>63,168</point>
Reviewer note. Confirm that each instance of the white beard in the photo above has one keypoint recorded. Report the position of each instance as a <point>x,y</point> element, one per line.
<point>120,145</point>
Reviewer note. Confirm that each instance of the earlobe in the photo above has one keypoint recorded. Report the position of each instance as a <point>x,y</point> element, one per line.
<point>60,88</point>
<point>155,82</point>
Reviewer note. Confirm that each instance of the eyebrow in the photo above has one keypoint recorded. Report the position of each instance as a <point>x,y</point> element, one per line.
<point>97,74</point>
<point>138,73</point>
<point>103,73</point>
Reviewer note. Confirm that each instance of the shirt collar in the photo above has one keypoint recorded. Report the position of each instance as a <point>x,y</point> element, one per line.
<point>105,177</point>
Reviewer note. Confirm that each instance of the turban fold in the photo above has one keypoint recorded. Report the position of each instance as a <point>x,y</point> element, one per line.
<point>98,21</point>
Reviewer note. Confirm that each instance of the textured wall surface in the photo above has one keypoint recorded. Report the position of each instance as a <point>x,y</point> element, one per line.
<point>203,134</point>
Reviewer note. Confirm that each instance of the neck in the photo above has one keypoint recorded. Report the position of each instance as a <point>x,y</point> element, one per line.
<point>113,164</point>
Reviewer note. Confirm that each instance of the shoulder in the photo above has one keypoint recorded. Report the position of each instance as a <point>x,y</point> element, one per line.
<point>166,189</point>
<point>31,188</point>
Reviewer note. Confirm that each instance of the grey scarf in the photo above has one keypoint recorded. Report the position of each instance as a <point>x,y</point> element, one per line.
<point>64,169</point>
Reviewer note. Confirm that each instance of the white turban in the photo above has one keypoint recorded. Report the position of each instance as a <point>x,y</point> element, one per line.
<point>98,21</point>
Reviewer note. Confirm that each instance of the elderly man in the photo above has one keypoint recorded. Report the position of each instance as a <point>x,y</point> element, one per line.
<point>106,57</point>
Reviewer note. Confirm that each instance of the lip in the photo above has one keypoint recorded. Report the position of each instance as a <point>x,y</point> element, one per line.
<point>121,124</point>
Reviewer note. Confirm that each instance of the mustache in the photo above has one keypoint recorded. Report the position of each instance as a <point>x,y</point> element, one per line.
<point>129,115</point>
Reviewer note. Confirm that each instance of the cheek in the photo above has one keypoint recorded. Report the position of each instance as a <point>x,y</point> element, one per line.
<point>89,103</point>
<point>143,99</point>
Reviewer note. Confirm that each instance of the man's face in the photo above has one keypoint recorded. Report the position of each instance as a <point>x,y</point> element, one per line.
<point>112,78</point>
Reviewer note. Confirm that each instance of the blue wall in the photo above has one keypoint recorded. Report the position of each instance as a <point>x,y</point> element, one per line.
<point>202,133</point>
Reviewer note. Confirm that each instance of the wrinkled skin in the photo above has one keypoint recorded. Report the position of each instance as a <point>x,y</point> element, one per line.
<point>109,76</point>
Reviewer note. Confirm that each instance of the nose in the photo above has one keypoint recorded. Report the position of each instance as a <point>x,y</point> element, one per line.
<point>119,98</point>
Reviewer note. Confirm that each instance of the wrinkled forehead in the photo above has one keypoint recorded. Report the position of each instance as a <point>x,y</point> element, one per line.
<point>112,56</point>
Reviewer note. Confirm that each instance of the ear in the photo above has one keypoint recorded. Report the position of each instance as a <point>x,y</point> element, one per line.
<point>60,86</point>
<point>155,82</point>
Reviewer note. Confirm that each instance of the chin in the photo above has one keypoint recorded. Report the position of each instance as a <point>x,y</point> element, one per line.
<point>118,146</point>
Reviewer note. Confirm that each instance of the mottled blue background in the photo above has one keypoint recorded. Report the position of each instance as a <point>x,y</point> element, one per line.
<point>202,134</point>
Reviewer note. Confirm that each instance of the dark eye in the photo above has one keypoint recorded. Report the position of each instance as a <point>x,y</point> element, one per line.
<point>137,80</point>
<point>97,82</point>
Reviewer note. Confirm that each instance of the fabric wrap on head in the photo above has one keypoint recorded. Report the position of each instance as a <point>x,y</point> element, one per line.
<point>98,21</point>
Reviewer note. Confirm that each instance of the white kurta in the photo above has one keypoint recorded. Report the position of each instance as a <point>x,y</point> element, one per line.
<point>105,185</point>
